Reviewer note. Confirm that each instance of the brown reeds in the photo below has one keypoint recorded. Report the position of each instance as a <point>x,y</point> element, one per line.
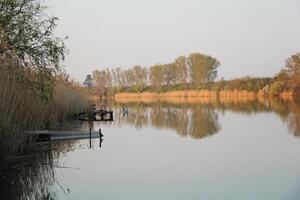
<point>22,109</point>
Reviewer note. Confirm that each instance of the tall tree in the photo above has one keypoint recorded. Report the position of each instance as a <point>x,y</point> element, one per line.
<point>156,76</point>
<point>203,68</point>
<point>182,70</point>
<point>140,78</point>
<point>102,82</point>
<point>170,74</point>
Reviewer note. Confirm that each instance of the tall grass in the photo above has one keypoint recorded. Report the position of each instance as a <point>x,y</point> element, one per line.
<point>22,109</point>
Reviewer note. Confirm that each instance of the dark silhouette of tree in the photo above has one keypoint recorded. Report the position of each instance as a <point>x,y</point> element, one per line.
<point>88,82</point>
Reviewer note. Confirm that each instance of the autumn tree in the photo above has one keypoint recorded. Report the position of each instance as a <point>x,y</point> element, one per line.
<point>203,68</point>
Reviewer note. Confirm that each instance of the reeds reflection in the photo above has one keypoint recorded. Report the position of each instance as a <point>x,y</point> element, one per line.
<point>33,177</point>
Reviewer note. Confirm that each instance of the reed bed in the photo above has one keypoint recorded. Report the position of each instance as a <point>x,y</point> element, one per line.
<point>22,109</point>
<point>225,94</point>
<point>237,93</point>
<point>180,93</point>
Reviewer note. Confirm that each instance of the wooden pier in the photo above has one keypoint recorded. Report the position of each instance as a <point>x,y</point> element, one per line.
<point>46,135</point>
<point>96,115</point>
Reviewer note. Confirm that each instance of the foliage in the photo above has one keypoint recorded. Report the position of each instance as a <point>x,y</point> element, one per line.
<point>292,69</point>
<point>26,35</point>
<point>197,68</point>
<point>203,68</point>
<point>199,71</point>
<point>156,76</point>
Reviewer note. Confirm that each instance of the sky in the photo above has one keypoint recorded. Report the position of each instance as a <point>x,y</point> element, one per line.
<point>248,37</point>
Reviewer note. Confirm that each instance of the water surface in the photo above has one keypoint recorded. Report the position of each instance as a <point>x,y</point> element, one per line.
<point>208,149</point>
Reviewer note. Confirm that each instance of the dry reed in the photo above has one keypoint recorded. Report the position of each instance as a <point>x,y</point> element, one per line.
<point>21,109</point>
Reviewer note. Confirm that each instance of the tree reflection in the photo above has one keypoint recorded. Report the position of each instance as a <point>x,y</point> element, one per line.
<point>289,112</point>
<point>204,122</point>
<point>196,121</point>
<point>198,118</point>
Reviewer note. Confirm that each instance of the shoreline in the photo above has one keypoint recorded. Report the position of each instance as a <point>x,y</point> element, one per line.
<point>288,95</point>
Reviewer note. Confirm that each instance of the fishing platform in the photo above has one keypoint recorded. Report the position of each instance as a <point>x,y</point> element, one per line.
<point>92,114</point>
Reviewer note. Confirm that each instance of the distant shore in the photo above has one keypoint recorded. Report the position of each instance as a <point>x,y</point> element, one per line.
<point>192,96</point>
<point>202,93</point>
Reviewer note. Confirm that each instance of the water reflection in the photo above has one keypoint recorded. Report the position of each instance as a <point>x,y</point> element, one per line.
<point>196,121</point>
<point>198,118</point>
<point>29,180</point>
<point>34,177</point>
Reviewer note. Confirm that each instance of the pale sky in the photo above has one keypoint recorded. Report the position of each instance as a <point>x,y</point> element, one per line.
<point>248,37</point>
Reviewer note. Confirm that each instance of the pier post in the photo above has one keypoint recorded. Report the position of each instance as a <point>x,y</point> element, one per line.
<point>90,131</point>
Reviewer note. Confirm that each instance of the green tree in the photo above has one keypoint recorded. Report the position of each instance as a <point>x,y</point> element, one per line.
<point>170,74</point>
<point>26,35</point>
<point>156,76</point>
<point>182,70</point>
<point>140,78</point>
<point>203,68</point>
<point>28,42</point>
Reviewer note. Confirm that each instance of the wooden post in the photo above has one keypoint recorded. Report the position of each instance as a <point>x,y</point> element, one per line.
<point>90,130</point>
<point>100,137</point>
<point>111,116</point>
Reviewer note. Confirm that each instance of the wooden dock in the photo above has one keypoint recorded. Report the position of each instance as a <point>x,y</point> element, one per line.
<point>46,135</point>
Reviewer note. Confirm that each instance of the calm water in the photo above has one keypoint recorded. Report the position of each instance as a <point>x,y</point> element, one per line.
<point>199,150</point>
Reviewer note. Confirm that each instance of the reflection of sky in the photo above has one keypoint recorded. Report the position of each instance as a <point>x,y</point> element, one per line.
<point>252,157</point>
<point>249,37</point>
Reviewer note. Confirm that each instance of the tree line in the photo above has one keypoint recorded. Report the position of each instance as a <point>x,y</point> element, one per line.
<point>195,71</point>
<point>185,71</point>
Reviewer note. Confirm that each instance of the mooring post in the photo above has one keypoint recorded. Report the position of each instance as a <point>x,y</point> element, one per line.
<point>100,137</point>
<point>111,116</point>
<point>100,133</point>
<point>90,130</point>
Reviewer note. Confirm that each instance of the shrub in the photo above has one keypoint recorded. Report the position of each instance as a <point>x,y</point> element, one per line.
<point>276,88</point>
